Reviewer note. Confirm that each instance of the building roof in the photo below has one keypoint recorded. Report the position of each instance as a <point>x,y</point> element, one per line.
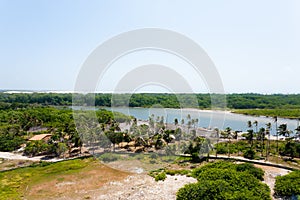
<point>39,137</point>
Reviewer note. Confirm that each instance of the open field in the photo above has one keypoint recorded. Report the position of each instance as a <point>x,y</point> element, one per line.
<point>57,180</point>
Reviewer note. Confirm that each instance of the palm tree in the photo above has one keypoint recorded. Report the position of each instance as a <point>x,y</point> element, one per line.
<point>218,136</point>
<point>250,133</point>
<point>249,124</point>
<point>176,122</point>
<point>275,120</point>
<point>268,132</point>
<point>193,123</point>
<point>152,122</point>
<point>297,135</point>
<point>262,134</point>
<point>228,136</point>
<point>197,123</point>
<point>189,125</point>
<point>282,130</point>
<point>256,126</point>
<point>188,117</point>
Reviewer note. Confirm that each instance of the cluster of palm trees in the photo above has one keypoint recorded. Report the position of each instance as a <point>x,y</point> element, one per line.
<point>263,134</point>
<point>156,135</point>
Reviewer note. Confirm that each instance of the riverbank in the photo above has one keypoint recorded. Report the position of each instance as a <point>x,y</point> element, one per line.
<point>293,114</point>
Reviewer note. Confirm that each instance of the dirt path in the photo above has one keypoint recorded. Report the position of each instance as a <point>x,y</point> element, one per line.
<point>13,156</point>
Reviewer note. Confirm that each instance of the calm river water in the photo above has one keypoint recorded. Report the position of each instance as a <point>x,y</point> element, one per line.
<point>207,119</point>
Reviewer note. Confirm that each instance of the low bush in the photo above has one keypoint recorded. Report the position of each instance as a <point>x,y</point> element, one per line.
<point>109,157</point>
<point>250,154</point>
<point>161,176</point>
<point>288,186</point>
<point>226,180</point>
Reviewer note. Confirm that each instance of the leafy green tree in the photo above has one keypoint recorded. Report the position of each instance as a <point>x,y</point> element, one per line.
<point>10,140</point>
<point>290,148</point>
<point>116,137</point>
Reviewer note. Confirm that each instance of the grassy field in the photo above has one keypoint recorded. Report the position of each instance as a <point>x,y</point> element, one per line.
<point>56,180</point>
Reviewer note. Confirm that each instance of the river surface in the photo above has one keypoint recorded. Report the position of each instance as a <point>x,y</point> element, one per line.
<point>206,118</point>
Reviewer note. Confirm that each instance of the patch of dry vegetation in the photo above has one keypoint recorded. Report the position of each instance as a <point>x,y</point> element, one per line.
<point>52,181</point>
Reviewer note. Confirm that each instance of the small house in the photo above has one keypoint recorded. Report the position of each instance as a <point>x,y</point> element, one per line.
<point>43,137</point>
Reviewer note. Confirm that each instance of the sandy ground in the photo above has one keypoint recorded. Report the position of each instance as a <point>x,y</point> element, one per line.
<point>142,187</point>
<point>14,156</point>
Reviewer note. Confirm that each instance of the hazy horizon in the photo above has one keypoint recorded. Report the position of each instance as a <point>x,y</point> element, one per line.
<point>11,91</point>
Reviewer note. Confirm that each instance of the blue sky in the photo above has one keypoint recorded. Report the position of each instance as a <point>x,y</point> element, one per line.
<point>254,44</point>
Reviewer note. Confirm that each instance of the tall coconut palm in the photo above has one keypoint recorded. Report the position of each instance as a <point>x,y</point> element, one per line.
<point>297,135</point>
<point>218,136</point>
<point>188,117</point>
<point>197,122</point>
<point>176,122</point>
<point>228,136</point>
<point>249,123</point>
<point>189,125</point>
<point>250,133</point>
<point>275,120</point>
<point>255,123</point>
<point>193,123</point>
<point>262,134</point>
<point>268,132</point>
<point>282,130</point>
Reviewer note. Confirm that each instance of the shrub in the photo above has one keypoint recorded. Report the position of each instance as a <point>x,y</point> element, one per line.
<point>161,176</point>
<point>225,180</point>
<point>221,148</point>
<point>249,168</point>
<point>250,154</point>
<point>174,172</point>
<point>288,185</point>
<point>109,157</point>
<point>153,156</point>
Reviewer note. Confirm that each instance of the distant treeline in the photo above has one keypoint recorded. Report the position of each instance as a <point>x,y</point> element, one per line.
<point>202,101</point>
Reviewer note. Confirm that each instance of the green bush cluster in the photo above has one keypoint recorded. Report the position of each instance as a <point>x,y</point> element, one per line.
<point>109,157</point>
<point>288,186</point>
<point>173,172</point>
<point>161,176</point>
<point>225,180</point>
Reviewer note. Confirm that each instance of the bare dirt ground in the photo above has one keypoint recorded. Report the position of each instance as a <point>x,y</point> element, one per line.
<point>81,185</point>
<point>138,187</point>
<point>142,186</point>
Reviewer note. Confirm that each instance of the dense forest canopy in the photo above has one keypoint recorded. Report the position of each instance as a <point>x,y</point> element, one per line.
<point>202,101</point>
